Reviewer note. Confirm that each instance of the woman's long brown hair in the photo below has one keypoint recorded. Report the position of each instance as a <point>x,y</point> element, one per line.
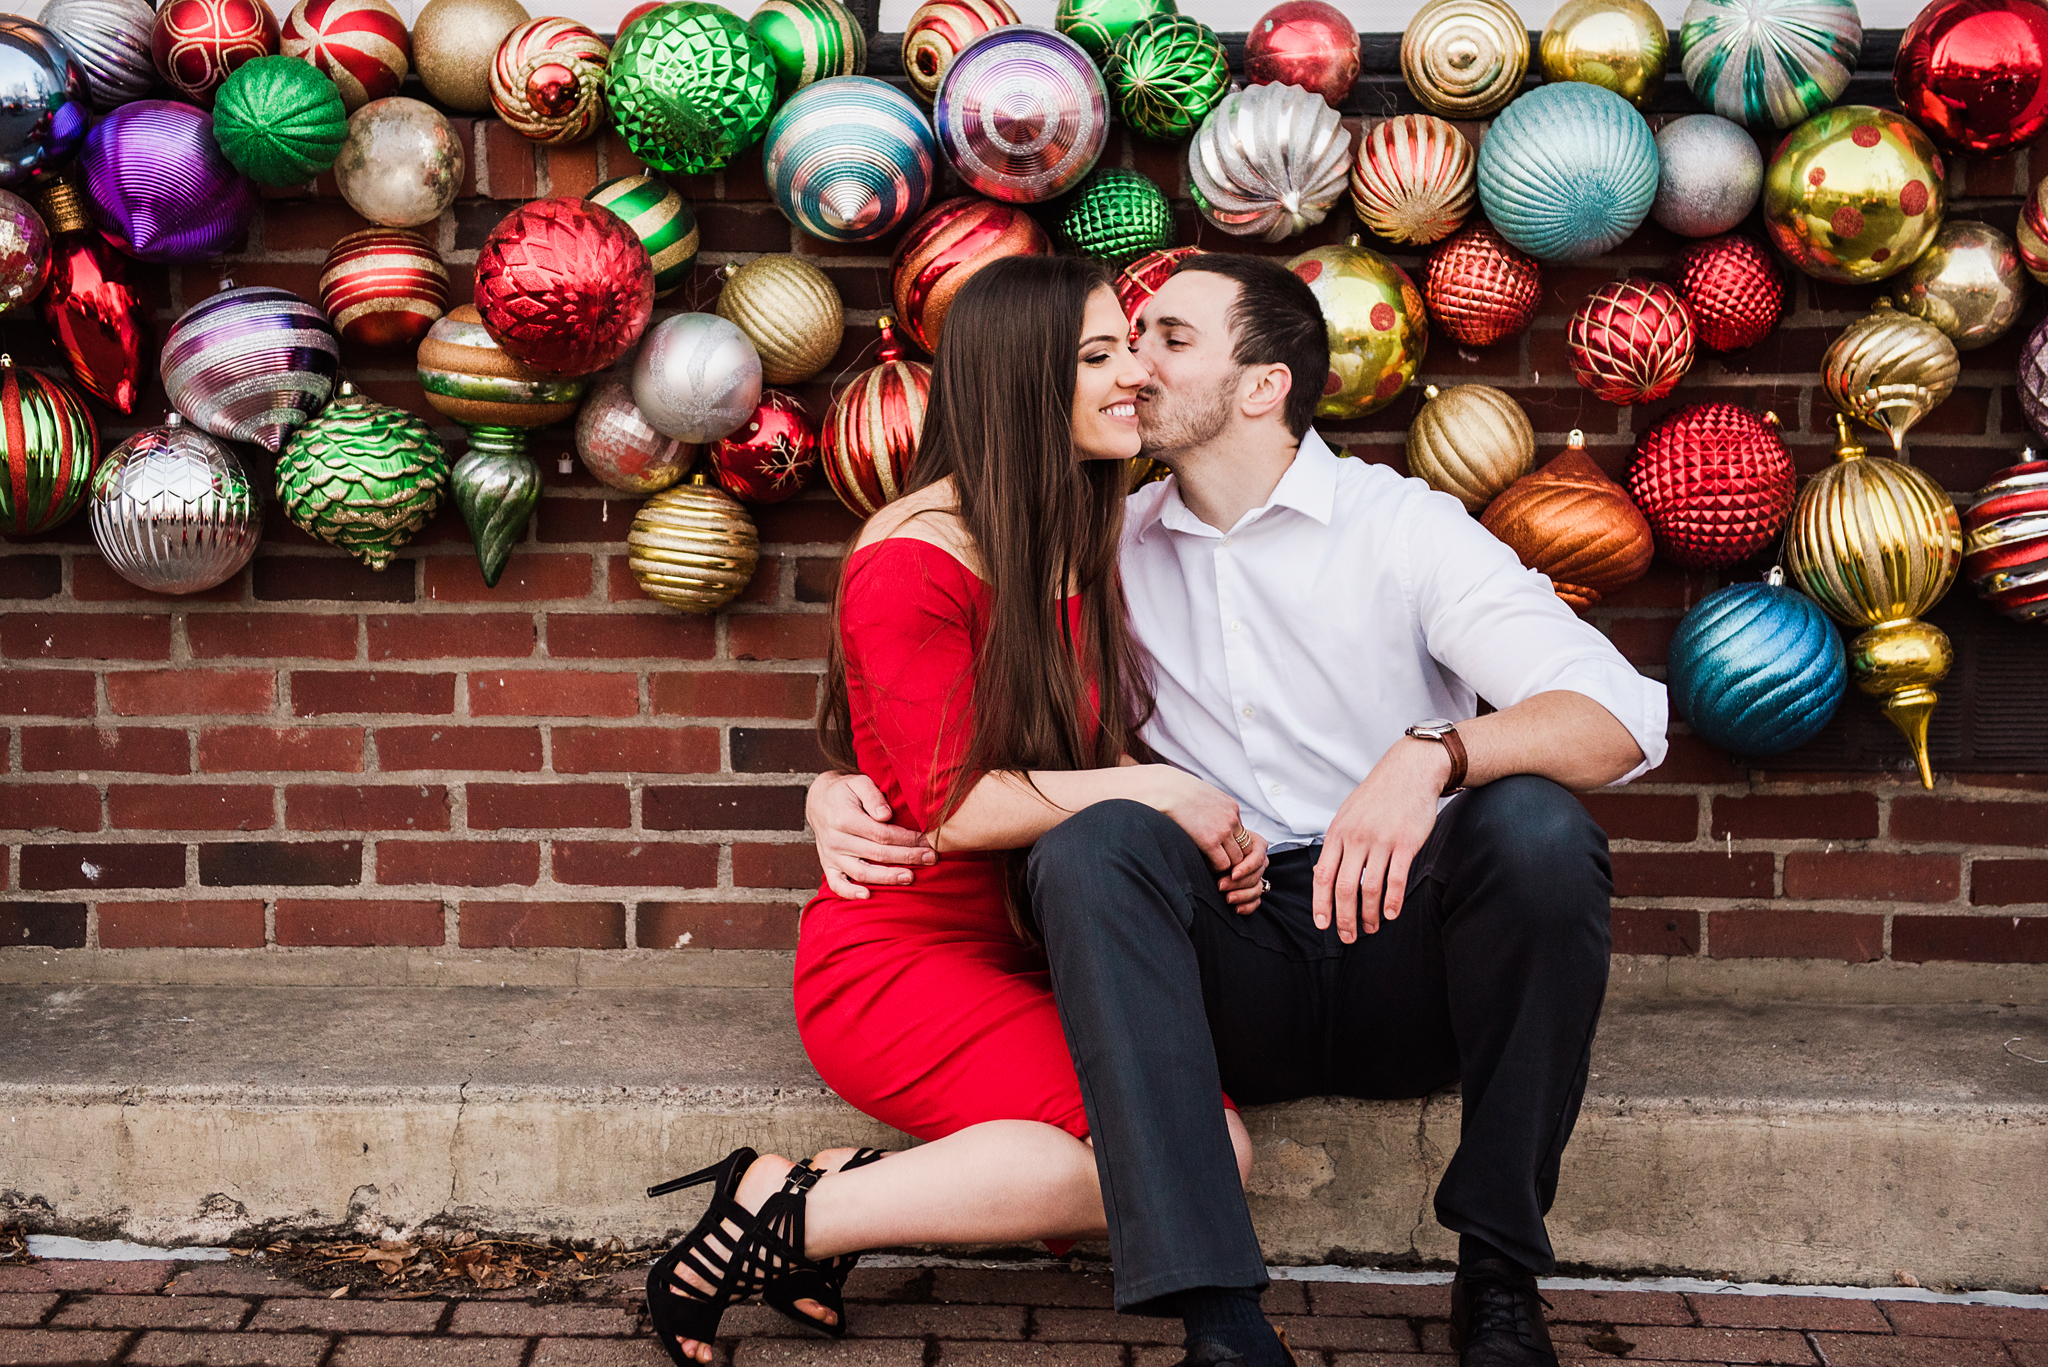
<point>1000,424</point>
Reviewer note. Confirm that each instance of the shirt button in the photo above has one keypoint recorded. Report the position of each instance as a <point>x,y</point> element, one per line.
<point>1226,541</point>
<point>1237,626</point>
<point>1247,711</point>
<point>1276,789</point>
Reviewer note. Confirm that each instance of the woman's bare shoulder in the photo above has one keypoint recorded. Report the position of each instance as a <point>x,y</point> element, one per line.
<point>927,514</point>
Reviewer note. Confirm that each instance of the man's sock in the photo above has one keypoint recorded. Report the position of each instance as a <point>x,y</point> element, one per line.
<point>1229,1316</point>
<point>1472,1248</point>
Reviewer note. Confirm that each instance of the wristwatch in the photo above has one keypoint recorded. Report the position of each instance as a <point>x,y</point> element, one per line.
<point>1445,733</point>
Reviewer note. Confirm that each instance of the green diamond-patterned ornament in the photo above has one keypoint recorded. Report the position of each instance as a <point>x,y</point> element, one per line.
<point>1097,24</point>
<point>1115,216</point>
<point>362,476</point>
<point>661,219</point>
<point>689,87</point>
<point>279,121</point>
<point>809,40</point>
<point>1166,74</point>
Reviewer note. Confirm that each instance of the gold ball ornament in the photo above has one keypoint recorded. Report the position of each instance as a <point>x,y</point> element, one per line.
<point>2032,232</point>
<point>1889,369</point>
<point>1619,44</point>
<point>1465,59</point>
<point>790,311</point>
<point>1471,441</point>
<point>1970,283</point>
<point>1854,194</point>
<point>1876,543</point>
<point>454,43</point>
<point>692,547</point>
<point>1378,328</point>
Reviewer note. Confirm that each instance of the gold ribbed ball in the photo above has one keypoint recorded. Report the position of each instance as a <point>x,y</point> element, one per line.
<point>1471,441</point>
<point>790,311</point>
<point>1890,369</point>
<point>454,43</point>
<point>1465,59</point>
<point>692,547</point>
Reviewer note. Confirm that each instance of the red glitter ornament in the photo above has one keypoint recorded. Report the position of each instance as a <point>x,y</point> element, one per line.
<point>1140,280</point>
<point>2005,540</point>
<point>197,44</point>
<point>1974,73</point>
<point>90,305</point>
<point>1306,43</point>
<point>360,45</point>
<point>1734,289</point>
<point>1480,288</point>
<point>871,433</point>
<point>772,455</point>
<point>1631,342</point>
<point>1714,482</point>
<point>564,286</point>
<point>383,287</point>
<point>943,250</point>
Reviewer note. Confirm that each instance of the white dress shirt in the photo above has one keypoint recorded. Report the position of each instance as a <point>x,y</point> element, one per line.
<point>1291,651</point>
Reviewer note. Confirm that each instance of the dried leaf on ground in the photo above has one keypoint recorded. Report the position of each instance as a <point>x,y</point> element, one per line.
<point>14,1247</point>
<point>457,1265</point>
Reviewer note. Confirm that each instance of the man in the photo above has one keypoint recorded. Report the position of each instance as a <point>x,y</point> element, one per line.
<point>1321,632</point>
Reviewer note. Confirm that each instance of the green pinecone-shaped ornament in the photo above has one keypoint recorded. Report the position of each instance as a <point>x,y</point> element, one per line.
<point>362,476</point>
<point>689,87</point>
<point>496,487</point>
<point>1097,24</point>
<point>1116,216</point>
<point>279,121</point>
<point>1167,73</point>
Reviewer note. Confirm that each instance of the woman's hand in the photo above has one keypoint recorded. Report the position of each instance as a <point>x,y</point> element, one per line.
<point>1245,885</point>
<point>1209,815</point>
<point>848,817</point>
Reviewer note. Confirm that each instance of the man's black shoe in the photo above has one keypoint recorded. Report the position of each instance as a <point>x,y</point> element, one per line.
<point>1497,1317</point>
<point>1208,1353</point>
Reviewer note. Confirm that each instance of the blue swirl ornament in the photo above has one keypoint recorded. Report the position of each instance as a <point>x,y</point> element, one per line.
<point>1567,171</point>
<point>1769,62</point>
<point>850,158</point>
<point>1758,669</point>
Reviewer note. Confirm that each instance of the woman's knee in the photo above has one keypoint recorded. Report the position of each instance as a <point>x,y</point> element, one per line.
<point>1240,1146</point>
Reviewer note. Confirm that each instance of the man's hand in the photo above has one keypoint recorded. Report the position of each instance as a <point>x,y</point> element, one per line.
<point>1362,874</point>
<point>1245,884</point>
<point>848,815</point>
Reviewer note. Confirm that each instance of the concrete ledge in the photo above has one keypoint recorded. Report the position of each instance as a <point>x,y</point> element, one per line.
<point>1762,1142</point>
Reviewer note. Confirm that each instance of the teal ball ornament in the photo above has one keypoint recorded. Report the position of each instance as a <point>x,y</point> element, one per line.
<point>850,158</point>
<point>279,121</point>
<point>1758,669</point>
<point>1567,171</point>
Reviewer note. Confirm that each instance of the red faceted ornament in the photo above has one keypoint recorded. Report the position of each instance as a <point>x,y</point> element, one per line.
<point>1974,73</point>
<point>1306,43</point>
<point>945,247</point>
<point>1480,288</point>
<point>1140,280</point>
<point>772,455</point>
<point>870,435</point>
<point>564,286</point>
<point>2005,540</point>
<point>636,14</point>
<point>1632,341</point>
<point>1714,482</point>
<point>383,287</point>
<point>1733,288</point>
<point>360,45</point>
<point>197,44</point>
<point>90,305</point>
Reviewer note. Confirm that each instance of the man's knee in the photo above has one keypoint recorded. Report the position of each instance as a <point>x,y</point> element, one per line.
<point>1095,840</point>
<point>1534,838</point>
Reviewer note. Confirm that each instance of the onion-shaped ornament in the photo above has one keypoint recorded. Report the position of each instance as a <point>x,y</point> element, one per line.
<point>383,287</point>
<point>1969,283</point>
<point>772,454</point>
<point>1568,171</point>
<point>689,87</point>
<point>1414,180</point>
<point>1471,441</point>
<point>659,217</point>
<point>2033,386</point>
<point>547,81</point>
<point>790,311</point>
<point>1022,114</point>
<point>1769,63</point>
<point>1306,43</point>
<point>1973,74</point>
<point>620,447</point>
<point>198,44</point>
<point>809,40</point>
<point>1480,288</point>
<point>1854,194</point>
<point>870,434</point>
<point>2005,540</point>
<point>1734,289</point>
<point>696,378</point>
<point>1465,59</point>
<point>108,40</point>
<point>279,121</point>
<point>944,248</point>
<point>938,30</point>
<point>1267,162</point>
<point>1140,280</point>
<point>363,476</point>
<point>1377,325</point>
<point>1714,482</point>
<point>564,286</point>
<point>692,547</point>
<point>251,364</point>
<point>496,485</point>
<point>1620,45</point>
<point>1757,668</point>
<point>159,187</point>
<point>1167,73</point>
<point>850,159</point>
<point>174,511</point>
<point>1709,175</point>
<point>1631,341</point>
<point>360,45</point>
<point>48,447</point>
<point>1889,370</point>
<point>468,379</point>
<point>1115,216</point>
<point>402,164</point>
<point>1568,520</point>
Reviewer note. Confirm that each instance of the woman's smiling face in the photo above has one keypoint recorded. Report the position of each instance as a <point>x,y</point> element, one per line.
<point>1107,379</point>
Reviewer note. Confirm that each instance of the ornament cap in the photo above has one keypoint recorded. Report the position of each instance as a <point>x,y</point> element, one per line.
<point>891,349</point>
<point>174,419</point>
<point>1576,441</point>
<point>1846,445</point>
<point>2029,456</point>
<point>1771,418</point>
<point>1775,576</point>
<point>6,361</point>
<point>1430,391</point>
<point>346,389</point>
<point>63,208</point>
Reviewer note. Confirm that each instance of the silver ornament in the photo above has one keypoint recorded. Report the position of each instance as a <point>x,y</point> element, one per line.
<point>1969,282</point>
<point>251,364</point>
<point>620,448</point>
<point>697,378</point>
<point>1269,160</point>
<point>173,510</point>
<point>1709,175</point>
<point>43,113</point>
<point>109,39</point>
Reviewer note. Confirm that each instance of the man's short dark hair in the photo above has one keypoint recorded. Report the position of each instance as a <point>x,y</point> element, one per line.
<point>1277,322</point>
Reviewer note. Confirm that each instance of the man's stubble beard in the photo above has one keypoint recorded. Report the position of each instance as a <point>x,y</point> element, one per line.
<point>1181,424</point>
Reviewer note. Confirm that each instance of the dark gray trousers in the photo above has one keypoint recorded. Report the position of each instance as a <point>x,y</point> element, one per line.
<point>1492,977</point>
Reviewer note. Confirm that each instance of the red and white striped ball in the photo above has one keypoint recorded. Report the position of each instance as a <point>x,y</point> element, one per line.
<point>383,287</point>
<point>547,80</point>
<point>360,45</point>
<point>937,32</point>
<point>197,44</point>
<point>870,436</point>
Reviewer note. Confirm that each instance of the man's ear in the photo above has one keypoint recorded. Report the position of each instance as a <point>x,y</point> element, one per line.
<point>1267,391</point>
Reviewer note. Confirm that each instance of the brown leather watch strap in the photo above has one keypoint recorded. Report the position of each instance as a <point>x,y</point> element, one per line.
<point>1455,744</point>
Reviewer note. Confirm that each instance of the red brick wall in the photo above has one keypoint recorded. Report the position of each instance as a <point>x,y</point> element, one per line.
<point>318,755</point>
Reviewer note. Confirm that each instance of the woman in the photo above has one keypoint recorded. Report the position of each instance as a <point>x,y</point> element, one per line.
<point>982,674</point>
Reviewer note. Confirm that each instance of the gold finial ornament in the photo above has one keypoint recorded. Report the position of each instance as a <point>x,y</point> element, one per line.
<point>1889,369</point>
<point>692,547</point>
<point>1876,543</point>
<point>1465,59</point>
<point>1619,44</point>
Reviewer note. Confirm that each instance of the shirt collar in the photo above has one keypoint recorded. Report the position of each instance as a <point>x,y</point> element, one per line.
<point>1309,487</point>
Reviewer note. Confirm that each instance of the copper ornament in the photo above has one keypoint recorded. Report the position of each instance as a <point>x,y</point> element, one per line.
<point>1571,522</point>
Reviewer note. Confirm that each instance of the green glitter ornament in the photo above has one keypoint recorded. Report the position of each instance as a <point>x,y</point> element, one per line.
<point>362,476</point>
<point>1115,216</point>
<point>1097,24</point>
<point>689,87</point>
<point>809,40</point>
<point>1166,74</point>
<point>279,121</point>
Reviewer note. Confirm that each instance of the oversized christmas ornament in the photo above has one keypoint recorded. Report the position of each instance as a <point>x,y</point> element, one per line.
<point>1140,280</point>
<point>944,249</point>
<point>1889,370</point>
<point>1631,341</point>
<point>1618,44</point>
<point>402,164</point>
<point>772,454</point>
<point>362,476</point>
<point>454,43</point>
<point>24,252</point>
<point>637,13</point>
<point>1710,174</point>
<point>1267,162</point>
<point>1974,73</point>
<point>1479,288</point>
<point>2005,540</point>
<point>1115,216</point>
<point>1571,522</point>
<point>1471,441</point>
<point>1757,668</point>
<point>870,434</point>
<point>657,214</point>
<point>1167,73</point>
<point>564,286</point>
<point>1714,483</point>
<point>547,81</point>
<point>1097,25</point>
<point>360,45</point>
<point>1308,43</point>
<point>621,449</point>
<point>692,547</point>
<point>938,30</point>
<point>108,41</point>
<point>383,287</point>
<point>159,187</point>
<point>90,305</point>
<point>1021,115</point>
<point>2033,386</point>
<point>174,511</point>
<point>1769,63</point>
<point>1734,289</point>
<point>1465,59</point>
<point>809,40</point>
<point>1969,283</point>
<point>791,312</point>
<point>697,378</point>
<point>496,486</point>
<point>251,364</point>
<point>198,44</point>
<point>45,113</point>
<point>279,121</point>
<point>689,87</point>
<point>1568,171</point>
<point>1378,329</point>
<point>850,159</point>
<point>1414,180</point>
<point>469,380</point>
<point>1876,543</point>
<point>1854,194</point>
<point>48,444</point>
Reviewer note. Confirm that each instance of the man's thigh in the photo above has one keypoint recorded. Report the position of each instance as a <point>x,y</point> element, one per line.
<point>1265,982</point>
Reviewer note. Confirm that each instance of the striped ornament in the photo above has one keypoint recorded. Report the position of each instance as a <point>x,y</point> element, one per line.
<point>850,158</point>
<point>937,32</point>
<point>870,435</point>
<point>360,45</point>
<point>51,446</point>
<point>383,287</point>
<point>661,218</point>
<point>547,81</point>
<point>1022,114</point>
<point>1769,62</point>
<point>809,40</point>
<point>946,247</point>
<point>1414,179</point>
<point>251,364</point>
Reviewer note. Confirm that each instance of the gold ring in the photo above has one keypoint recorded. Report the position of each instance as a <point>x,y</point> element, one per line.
<point>1243,838</point>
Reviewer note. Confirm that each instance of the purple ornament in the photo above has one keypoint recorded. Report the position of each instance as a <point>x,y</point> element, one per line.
<point>160,189</point>
<point>251,364</point>
<point>2034,380</point>
<point>1021,114</point>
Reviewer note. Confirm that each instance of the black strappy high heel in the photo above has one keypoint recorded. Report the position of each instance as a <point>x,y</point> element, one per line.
<point>814,1279</point>
<point>733,1251</point>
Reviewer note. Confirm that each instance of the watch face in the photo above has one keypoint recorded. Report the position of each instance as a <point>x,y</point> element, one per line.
<point>1433,729</point>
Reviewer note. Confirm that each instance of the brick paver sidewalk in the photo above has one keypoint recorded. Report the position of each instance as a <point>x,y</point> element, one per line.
<point>168,1314</point>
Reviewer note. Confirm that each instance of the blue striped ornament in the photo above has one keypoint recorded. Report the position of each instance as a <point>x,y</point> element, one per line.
<point>1567,171</point>
<point>251,364</point>
<point>1758,669</point>
<point>850,158</point>
<point>1769,62</point>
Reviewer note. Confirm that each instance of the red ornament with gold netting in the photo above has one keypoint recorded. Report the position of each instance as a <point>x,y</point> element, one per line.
<point>1631,341</point>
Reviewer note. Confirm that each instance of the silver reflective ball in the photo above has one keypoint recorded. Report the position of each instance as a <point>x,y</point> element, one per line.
<point>1709,175</point>
<point>1969,282</point>
<point>697,378</point>
<point>173,510</point>
<point>109,40</point>
<point>43,114</point>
